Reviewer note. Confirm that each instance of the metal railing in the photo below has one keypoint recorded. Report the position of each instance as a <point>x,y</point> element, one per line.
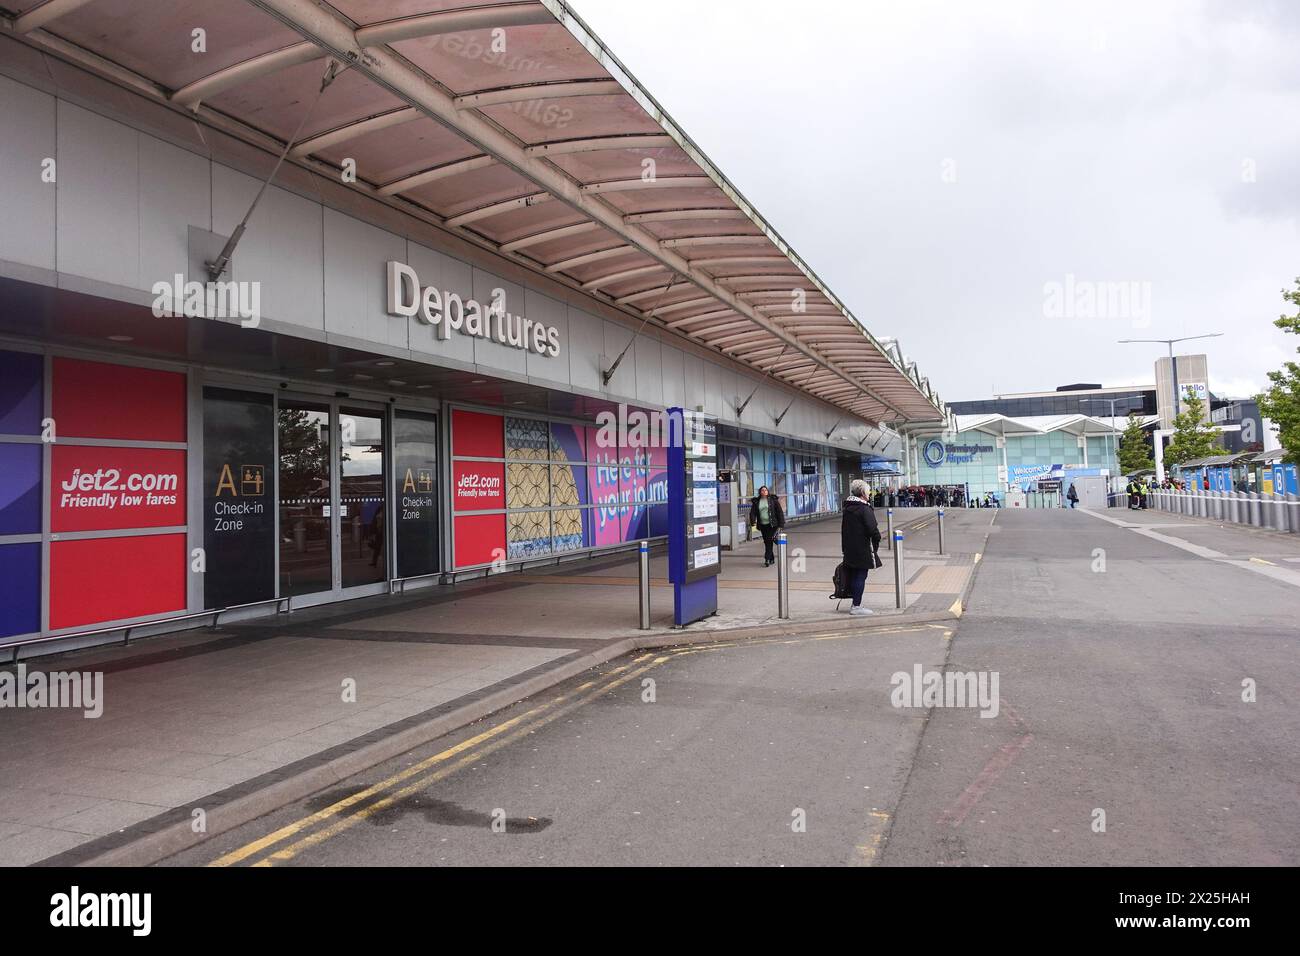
<point>126,629</point>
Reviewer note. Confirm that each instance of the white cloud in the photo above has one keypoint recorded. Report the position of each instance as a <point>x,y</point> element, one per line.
<point>1109,141</point>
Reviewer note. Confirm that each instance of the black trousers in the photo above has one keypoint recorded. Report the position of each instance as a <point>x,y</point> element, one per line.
<point>769,536</point>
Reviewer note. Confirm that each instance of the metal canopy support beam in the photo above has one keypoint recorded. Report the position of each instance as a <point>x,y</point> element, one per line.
<point>727,281</point>
<point>214,83</point>
<point>687,304</point>
<point>496,208</point>
<point>454,21</point>
<point>37,17</point>
<point>593,143</point>
<point>324,27</point>
<point>613,277</point>
<point>682,215</point>
<point>686,242</point>
<point>526,92</point>
<point>438,172</point>
<point>354,130</point>
<point>702,317</point>
<point>724,262</point>
<point>650,293</point>
<point>711,336</point>
<point>784,294</point>
<point>636,185</point>
<point>538,238</point>
<point>585,258</point>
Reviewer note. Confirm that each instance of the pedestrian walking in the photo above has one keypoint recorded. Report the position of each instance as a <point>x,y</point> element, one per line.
<point>766,515</point>
<point>1073,496</point>
<point>859,543</point>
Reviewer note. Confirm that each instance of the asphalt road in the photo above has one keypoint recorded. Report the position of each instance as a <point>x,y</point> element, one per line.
<point>1119,690</point>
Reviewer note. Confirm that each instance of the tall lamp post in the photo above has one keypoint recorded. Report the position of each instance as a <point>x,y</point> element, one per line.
<point>1111,436</point>
<point>1173,360</point>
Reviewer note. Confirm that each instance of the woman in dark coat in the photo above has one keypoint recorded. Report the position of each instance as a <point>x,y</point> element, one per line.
<point>859,542</point>
<point>766,515</point>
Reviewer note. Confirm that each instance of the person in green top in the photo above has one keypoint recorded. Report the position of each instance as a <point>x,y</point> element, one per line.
<point>765,514</point>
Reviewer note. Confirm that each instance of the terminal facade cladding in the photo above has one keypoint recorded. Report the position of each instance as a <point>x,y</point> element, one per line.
<point>291,454</point>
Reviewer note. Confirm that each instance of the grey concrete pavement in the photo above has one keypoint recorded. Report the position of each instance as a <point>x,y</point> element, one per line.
<point>1122,692</point>
<point>1119,690</point>
<point>228,717</point>
<point>739,743</point>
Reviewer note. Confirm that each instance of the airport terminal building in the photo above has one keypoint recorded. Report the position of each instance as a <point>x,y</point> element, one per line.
<point>486,241</point>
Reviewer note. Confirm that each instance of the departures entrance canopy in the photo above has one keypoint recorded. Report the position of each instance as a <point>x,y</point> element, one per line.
<point>510,125</point>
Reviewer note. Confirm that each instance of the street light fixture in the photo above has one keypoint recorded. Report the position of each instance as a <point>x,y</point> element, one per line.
<point>1112,402</point>
<point>1173,360</point>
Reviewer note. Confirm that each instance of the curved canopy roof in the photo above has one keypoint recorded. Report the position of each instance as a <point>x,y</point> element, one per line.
<point>998,424</point>
<point>511,125</point>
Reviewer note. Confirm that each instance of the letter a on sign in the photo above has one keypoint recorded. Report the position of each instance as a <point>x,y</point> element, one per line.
<point>226,483</point>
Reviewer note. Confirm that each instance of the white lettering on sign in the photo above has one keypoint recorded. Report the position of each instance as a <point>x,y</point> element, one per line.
<point>472,485</point>
<point>447,311</point>
<point>115,490</point>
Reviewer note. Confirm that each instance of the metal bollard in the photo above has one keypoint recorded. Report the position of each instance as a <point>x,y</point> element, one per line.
<point>1293,506</point>
<point>941,531</point>
<point>782,578</point>
<point>889,528</point>
<point>1256,507</point>
<point>900,584</point>
<point>645,585</point>
<point>1234,509</point>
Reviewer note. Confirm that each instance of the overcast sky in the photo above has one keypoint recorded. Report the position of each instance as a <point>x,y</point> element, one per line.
<point>940,165</point>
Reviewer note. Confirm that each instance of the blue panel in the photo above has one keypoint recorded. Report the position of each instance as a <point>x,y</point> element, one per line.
<point>20,489</point>
<point>21,395</point>
<point>20,589</point>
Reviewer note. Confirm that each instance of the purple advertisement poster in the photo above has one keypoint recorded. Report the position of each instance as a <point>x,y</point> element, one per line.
<point>602,474</point>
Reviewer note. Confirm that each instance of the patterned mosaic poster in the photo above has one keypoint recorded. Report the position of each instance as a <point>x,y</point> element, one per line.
<point>570,527</point>
<point>528,485</point>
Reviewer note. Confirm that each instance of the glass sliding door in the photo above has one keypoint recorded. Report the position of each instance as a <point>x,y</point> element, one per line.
<point>305,493</point>
<point>363,541</point>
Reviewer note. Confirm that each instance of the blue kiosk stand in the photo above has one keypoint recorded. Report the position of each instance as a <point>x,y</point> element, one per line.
<point>694,544</point>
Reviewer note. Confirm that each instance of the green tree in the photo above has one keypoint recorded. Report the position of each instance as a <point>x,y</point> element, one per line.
<point>1193,437</point>
<point>1281,403</point>
<point>1134,448</point>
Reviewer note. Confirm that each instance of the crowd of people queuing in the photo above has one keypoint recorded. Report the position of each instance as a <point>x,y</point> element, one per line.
<point>1139,489</point>
<point>927,496</point>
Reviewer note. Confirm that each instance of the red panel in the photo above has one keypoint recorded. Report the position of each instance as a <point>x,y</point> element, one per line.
<point>104,489</point>
<point>96,400</point>
<point>480,539</point>
<point>108,579</point>
<point>477,435</point>
<point>478,485</point>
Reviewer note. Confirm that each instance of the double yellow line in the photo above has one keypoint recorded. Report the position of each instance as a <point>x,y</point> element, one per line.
<point>350,811</point>
<point>292,839</point>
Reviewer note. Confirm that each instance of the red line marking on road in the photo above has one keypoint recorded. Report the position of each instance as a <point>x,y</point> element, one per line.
<point>984,780</point>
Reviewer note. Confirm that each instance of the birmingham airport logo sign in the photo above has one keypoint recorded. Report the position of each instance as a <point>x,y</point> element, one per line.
<point>447,311</point>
